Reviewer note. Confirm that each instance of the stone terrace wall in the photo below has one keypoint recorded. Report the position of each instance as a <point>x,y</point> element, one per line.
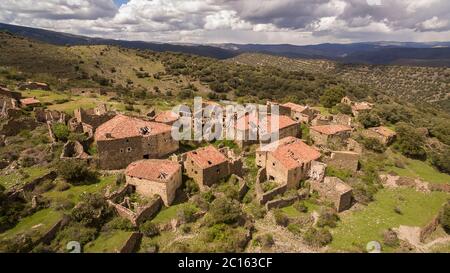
<point>132,243</point>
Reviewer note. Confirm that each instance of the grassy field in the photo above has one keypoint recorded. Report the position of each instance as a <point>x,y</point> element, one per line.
<point>110,242</point>
<point>355,230</point>
<point>292,212</point>
<point>15,179</point>
<point>39,222</point>
<point>419,169</point>
<point>73,194</point>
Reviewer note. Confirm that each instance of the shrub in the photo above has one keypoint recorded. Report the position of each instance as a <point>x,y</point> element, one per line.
<point>369,120</point>
<point>187,213</point>
<point>390,238</point>
<point>191,187</point>
<point>445,218</point>
<point>373,144</point>
<point>332,96</point>
<point>344,108</point>
<point>61,131</point>
<point>119,223</point>
<point>92,211</point>
<point>409,141</point>
<point>301,207</point>
<point>224,210</point>
<point>257,210</point>
<point>76,232</point>
<point>295,229</point>
<point>280,218</point>
<point>317,237</point>
<point>265,240</point>
<point>327,218</point>
<point>75,171</point>
<point>149,229</point>
<point>22,243</point>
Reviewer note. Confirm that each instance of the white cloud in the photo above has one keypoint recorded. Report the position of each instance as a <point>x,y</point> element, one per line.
<point>243,21</point>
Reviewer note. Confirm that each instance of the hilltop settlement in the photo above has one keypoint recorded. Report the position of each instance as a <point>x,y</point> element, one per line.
<point>85,164</point>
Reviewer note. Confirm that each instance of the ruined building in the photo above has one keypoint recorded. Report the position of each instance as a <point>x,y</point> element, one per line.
<point>335,190</point>
<point>123,140</point>
<point>287,161</point>
<point>209,165</point>
<point>155,177</point>
<point>87,121</point>
<point>383,134</point>
<point>303,114</point>
<point>330,134</point>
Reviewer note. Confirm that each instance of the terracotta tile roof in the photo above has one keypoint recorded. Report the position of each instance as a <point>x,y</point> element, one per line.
<point>28,101</point>
<point>167,117</point>
<point>384,131</point>
<point>295,153</point>
<point>295,107</point>
<point>153,170</point>
<point>123,127</point>
<point>207,157</point>
<point>331,129</point>
<point>246,122</point>
<point>274,145</point>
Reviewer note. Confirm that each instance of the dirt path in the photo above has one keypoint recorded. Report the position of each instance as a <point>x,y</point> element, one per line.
<point>412,236</point>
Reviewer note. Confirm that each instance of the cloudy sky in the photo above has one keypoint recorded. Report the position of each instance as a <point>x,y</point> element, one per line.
<point>238,21</point>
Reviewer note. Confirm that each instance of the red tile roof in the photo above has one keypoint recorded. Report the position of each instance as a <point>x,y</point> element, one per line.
<point>331,129</point>
<point>153,170</point>
<point>207,157</point>
<point>29,101</point>
<point>245,123</point>
<point>294,153</point>
<point>167,117</point>
<point>295,107</point>
<point>124,127</point>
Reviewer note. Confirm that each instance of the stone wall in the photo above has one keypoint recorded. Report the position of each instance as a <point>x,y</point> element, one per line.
<point>141,215</point>
<point>132,244</point>
<point>281,203</point>
<point>427,230</point>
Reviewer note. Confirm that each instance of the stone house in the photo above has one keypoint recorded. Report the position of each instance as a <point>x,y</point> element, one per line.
<point>357,107</point>
<point>320,120</point>
<point>89,120</point>
<point>30,102</point>
<point>262,130</point>
<point>155,177</point>
<point>344,160</point>
<point>329,134</point>
<point>282,110</point>
<point>335,190</point>
<point>34,86</point>
<point>342,119</point>
<point>289,162</point>
<point>382,134</point>
<point>347,100</point>
<point>123,140</point>
<point>6,93</point>
<point>209,165</point>
<point>300,113</point>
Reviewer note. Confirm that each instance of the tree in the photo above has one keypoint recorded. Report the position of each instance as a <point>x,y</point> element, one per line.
<point>75,171</point>
<point>369,120</point>
<point>317,237</point>
<point>344,108</point>
<point>92,211</point>
<point>332,96</point>
<point>373,144</point>
<point>441,160</point>
<point>224,210</point>
<point>61,131</point>
<point>409,141</point>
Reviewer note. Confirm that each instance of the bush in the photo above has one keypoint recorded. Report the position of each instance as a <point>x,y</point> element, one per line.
<point>390,238</point>
<point>119,223</point>
<point>61,131</point>
<point>369,120</point>
<point>441,160</point>
<point>301,207</point>
<point>257,210</point>
<point>332,96</point>
<point>409,141</point>
<point>445,218</point>
<point>344,108</point>
<point>224,210</point>
<point>327,218</point>
<point>75,232</point>
<point>295,229</point>
<point>149,229</point>
<point>22,243</point>
<point>280,218</point>
<point>187,213</point>
<point>75,171</point>
<point>373,144</point>
<point>317,237</point>
<point>265,240</point>
<point>191,187</point>
<point>92,211</point>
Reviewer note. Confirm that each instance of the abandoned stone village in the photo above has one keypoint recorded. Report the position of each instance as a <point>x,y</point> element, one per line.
<point>156,166</point>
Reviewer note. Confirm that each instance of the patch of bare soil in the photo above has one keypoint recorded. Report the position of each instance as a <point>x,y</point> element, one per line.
<point>412,236</point>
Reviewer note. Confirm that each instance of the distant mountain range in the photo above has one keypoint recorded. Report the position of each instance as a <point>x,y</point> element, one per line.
<point>401,53</point>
